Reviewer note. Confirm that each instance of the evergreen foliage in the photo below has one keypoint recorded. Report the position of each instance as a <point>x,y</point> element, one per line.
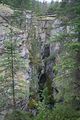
<point>70,51</point>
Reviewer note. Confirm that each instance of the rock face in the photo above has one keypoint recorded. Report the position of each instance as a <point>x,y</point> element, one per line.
<point>44,30</point>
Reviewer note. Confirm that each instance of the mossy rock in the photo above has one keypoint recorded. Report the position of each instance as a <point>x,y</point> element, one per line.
<point>32,104</point>
<point>18,115</point>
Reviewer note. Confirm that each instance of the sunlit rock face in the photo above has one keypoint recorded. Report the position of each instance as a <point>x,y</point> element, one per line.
<point>24,52</point>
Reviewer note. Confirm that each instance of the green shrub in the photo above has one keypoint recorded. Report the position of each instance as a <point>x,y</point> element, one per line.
<point>60,112</point>
<point>18,115</point>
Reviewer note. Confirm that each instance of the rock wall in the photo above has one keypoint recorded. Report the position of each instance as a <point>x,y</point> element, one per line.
<point>45,28</point>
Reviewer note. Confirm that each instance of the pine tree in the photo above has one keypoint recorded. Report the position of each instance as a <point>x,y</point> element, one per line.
<point>10,63</point>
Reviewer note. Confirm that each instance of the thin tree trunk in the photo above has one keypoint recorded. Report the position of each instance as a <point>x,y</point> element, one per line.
<point>12,75</point>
